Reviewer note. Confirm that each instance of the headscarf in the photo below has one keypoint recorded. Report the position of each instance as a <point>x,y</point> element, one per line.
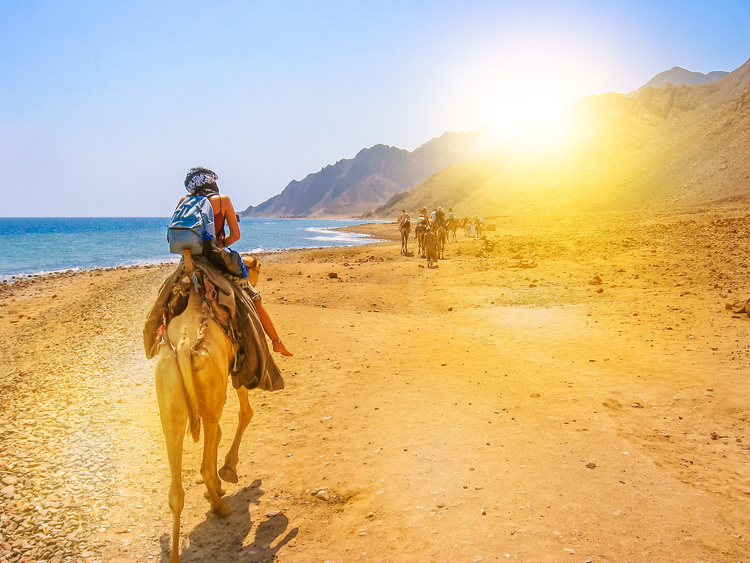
<point>201,181</point>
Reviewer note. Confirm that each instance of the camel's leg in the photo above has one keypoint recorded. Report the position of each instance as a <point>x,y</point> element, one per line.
<point>176,492</point>
<point>211,439</point>
<point>174,415</point>
<point>229,472</point>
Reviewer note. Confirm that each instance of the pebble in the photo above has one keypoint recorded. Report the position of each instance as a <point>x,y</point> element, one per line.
<point>56,473</point>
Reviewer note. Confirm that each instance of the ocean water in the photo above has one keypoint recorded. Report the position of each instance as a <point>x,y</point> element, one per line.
<point>38,246</point>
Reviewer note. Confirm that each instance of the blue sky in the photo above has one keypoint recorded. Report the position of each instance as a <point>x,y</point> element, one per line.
<point>104,106</point>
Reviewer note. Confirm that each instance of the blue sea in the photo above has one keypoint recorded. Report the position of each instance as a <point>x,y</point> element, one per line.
<point>39,246</point>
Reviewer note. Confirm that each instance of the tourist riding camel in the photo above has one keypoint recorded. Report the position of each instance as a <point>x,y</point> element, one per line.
<point>404,227</point>
<point>206,325</point>
<point>202,181</point>
<point>422,224</point>
<point>439,219</point>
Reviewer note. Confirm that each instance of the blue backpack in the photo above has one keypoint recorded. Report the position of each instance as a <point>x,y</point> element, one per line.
<point>192,223</point>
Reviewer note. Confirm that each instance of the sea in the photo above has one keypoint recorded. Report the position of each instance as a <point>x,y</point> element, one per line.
<point>31,247</point>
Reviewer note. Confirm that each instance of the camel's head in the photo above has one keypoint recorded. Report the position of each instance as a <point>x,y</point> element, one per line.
<point>253,269</point>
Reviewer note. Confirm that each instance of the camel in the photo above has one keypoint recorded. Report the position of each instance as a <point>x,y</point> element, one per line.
<point>193,365</point>
<point>453,225</point>
<point>419,232</point>
<point>473,227</point>
<point>478,227</point>
<point>404,229</point>
<point>441,237</point>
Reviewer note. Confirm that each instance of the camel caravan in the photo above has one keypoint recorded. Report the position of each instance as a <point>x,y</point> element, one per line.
<point>432,232</point>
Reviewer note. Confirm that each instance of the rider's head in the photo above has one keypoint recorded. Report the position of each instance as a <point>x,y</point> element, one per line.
<point>201,181</point>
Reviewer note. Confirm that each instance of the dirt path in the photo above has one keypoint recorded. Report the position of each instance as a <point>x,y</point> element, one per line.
<point>590,407</point>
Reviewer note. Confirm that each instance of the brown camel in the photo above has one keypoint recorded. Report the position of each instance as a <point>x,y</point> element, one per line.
<point>453,225</point>
<point>441,237</point>
<point>419,232</point>
<point>193,365</point>
<point>430,246</point>
<point>405,229</point>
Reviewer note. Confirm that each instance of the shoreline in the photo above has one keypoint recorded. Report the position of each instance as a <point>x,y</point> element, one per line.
<point>13,279</point>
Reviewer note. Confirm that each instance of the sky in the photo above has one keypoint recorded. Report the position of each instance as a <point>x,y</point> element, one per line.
<point>104,106</point>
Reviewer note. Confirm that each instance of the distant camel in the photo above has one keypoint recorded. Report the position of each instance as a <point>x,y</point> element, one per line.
<point>475,226</point>
<point>478,227</point>
<point>419,231</point>
<point>194,361</point>
<point>453,225</point>
<point>405,229</point>
<point>441,237</point>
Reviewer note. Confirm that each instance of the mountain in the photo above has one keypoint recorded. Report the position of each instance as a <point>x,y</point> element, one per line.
<point>680,76</point>
<point>673,145</point>
<point>352,186</point>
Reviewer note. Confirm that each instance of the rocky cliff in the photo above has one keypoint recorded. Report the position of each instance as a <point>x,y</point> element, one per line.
<point>353,186</point>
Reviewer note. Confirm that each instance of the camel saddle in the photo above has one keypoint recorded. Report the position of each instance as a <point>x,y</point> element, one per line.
<point>231,306</point>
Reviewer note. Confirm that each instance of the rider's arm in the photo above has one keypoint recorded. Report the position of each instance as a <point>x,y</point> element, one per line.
<point>231,220</point>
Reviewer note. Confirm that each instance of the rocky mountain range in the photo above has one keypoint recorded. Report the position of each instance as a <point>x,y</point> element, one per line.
<point>666,146</point>
<point>680,76</point>
<point>353,186</point>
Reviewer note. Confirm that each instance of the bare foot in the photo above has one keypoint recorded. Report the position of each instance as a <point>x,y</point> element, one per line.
<point>278,346</point>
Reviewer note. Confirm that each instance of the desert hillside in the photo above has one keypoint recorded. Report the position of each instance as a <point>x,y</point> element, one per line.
<point>355,185</point>
<point>665,147</point>
<point>678,75</point>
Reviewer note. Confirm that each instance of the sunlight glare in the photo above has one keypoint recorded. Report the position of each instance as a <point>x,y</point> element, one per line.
<point>548,131</point>
<point>526,77</point>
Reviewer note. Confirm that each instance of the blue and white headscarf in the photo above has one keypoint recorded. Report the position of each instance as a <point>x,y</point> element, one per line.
<point>201,181</point>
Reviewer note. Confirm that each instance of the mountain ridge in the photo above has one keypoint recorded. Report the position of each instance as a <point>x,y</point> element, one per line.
<point>668,145</point>
<point>350,187</point>
<point>679,76</point>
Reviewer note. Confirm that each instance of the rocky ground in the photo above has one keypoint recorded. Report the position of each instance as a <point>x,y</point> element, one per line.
<point>567,388</point>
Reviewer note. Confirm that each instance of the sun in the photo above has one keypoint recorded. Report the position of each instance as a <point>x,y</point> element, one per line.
<point>526,78</point>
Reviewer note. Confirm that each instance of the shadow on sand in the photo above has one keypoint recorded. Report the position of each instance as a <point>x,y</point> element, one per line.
<point>222,539</point>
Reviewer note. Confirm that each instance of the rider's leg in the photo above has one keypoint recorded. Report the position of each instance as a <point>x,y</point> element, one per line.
<point>265,320</point>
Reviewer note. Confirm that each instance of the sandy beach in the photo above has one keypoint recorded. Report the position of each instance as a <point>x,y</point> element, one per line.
<point>563,389</point>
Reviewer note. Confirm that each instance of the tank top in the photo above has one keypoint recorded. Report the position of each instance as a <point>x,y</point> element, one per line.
<point>219,223</point>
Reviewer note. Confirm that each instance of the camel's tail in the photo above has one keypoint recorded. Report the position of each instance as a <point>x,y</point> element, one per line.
<point>185,362</point>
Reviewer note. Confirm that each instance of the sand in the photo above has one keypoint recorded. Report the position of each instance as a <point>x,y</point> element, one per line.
<point>565,389</point>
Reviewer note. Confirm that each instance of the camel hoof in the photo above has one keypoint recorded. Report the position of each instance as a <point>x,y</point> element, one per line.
<point>228,474</point>
<point>221,510</point>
